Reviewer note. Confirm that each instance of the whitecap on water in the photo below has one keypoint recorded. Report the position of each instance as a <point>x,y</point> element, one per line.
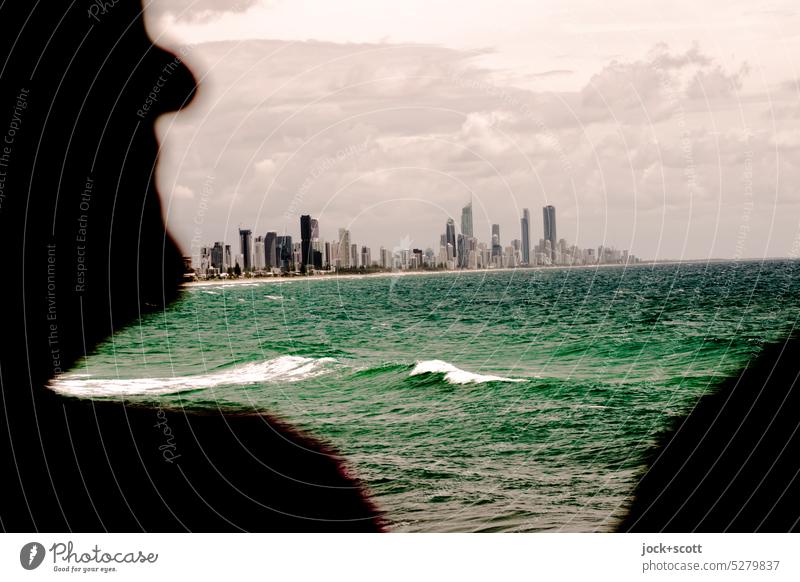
<point>455,375</point>
<point>281,369</point>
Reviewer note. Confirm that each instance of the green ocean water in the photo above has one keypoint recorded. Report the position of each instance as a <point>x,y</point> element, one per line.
<point>506,401</point>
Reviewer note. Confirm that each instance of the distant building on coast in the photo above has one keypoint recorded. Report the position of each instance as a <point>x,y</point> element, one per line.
<point>525,227</point>
<point>246,248</point>
<point>549,218</point>
<point>466,220</point>
<point>497,249</point>
<point>259,261</point>
<point>450,239</point>
<point>271,259</point>
<point>284,253</point>
<point>305,243</point>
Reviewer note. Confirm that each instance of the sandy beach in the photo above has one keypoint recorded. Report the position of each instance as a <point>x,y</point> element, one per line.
<point>328,277</point>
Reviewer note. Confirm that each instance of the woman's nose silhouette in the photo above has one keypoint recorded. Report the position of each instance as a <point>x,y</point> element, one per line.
<point>174,86</point>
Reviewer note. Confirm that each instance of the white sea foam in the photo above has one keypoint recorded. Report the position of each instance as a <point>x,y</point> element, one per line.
<point>455,375</point>
<point>273,297</point>
<point>282,369</point>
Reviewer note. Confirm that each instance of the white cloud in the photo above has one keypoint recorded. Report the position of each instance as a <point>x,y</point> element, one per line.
<point>390,139</point>
<point>182,192</point>
<point>195,10</point>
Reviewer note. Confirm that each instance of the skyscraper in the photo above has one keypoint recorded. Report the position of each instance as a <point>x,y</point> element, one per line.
<point>258,254</point>
<point>317,247</point>
<point>462,252</point>
<point>386,258</point>
<point>218,257</point>
<point>246,246</point>
<point>497,249</point>
<point>270,253</point>
<point>227,261</point>
<point>327,259</point>
<point>305,242</point>
<point>333,257</point>
<point>450,238</point>
<point>344,248</point>
<point>297,255</point>
<point>549,214</point>
<point>283,251</point>
<point>317,253</point>
<point>366,256</point>
<point>466,220</point>
<point>525,224</point>
<point>205,259</point>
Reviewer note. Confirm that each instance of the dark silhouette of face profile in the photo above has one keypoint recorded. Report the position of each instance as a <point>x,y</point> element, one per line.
<point>87,253</point>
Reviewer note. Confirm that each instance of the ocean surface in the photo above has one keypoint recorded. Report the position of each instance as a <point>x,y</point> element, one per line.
<point>504,401</point>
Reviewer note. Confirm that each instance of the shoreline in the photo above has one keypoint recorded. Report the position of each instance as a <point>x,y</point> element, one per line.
<point>337,277</point>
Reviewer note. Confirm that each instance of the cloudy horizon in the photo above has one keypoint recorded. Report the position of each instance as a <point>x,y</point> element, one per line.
<point>672,133</point>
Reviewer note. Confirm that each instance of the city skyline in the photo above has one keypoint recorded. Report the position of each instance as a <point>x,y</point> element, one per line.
<point>678,141</point>
<point>457,250</point>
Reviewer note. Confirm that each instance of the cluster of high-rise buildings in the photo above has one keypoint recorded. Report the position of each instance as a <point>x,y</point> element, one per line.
<point>463,250</point>
<point>273,254</point>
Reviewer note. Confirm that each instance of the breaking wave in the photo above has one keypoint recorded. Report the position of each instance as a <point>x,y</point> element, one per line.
<point>455,375</point>
<point>281,369</point>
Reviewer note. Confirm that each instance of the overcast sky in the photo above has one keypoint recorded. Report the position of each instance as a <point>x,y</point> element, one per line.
<point>669,128</point>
